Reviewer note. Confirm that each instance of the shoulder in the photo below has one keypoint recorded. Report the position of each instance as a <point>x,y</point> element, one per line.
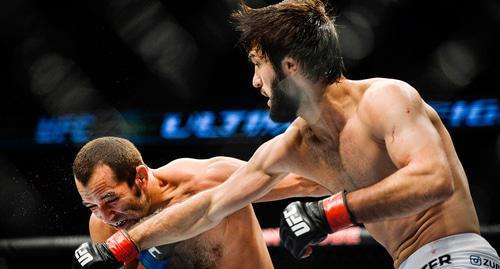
<point>99,231</point>
<point>181,170</point>
<point>387,101</point>
<point>221,163</point>
<point>218,170</point>
<point>190,165</point>
<point>195,175</point>
<point>388,92</point>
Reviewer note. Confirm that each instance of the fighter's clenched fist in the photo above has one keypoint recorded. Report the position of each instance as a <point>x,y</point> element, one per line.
<point>304,224</point>
<point>117,251</point>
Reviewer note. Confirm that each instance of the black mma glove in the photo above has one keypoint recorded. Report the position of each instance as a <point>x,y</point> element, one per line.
<point>304,224</point>
<point>118,250</point>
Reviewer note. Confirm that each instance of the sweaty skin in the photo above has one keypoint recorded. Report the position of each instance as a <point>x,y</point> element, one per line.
<point>222,246</point>
<point>377,139</point>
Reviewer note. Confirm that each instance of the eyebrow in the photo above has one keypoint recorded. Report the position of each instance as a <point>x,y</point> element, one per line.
<point>85,204</point>
<point>107,195</point>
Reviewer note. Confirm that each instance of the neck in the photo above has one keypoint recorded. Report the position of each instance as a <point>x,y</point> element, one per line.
<point>329,108</point>
<point>166,190</point>
<point>157,192</point>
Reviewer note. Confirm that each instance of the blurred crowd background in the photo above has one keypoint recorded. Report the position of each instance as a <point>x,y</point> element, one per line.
<point>169,76</point>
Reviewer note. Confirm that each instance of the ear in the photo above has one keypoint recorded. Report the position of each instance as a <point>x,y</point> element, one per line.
<point>290,66</point>
<point>141,175</point>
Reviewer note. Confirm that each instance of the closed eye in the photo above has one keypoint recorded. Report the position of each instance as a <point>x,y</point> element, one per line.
<point>112,200</point>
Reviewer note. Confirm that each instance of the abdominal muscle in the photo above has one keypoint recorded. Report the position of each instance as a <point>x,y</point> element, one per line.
<point>402,237</point>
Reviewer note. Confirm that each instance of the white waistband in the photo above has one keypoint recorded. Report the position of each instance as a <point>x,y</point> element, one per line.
<point>470,242</point>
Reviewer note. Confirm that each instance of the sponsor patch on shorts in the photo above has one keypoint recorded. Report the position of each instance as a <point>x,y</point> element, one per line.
<point>483,262</point>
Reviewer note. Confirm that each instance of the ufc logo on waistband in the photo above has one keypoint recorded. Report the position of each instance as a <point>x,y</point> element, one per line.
<point>154,252</point>
<point>296,223</point>
<point>82,255</point>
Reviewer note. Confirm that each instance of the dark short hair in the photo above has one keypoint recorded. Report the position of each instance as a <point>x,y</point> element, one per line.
<point>301,29</point>
<point>118,153</point>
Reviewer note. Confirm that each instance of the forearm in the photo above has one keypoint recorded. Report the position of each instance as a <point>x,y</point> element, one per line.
<point>402,194</point>
<point>204,210</point>
<point>176,223</point>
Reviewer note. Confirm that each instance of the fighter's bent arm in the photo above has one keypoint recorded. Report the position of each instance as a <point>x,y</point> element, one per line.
<point>201,175</point>
<point>423,178</point>
<point>207,208</point>
<point>220,169</point>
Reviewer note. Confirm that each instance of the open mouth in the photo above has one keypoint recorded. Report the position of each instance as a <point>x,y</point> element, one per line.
<point>124,224</point>
<point>120,224</point>
<point>263,93</point>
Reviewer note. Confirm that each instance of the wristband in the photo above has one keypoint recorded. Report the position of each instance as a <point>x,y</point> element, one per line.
<point>122,247</point>
<point>351,216</point>
<point>336,212</point>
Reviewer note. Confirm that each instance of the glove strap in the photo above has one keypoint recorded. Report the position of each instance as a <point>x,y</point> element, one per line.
<point>122,247</point>
<point>337,213</point>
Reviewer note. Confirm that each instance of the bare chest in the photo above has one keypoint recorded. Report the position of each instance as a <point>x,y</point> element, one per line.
<point>347,160</point>
<point>204,252</point>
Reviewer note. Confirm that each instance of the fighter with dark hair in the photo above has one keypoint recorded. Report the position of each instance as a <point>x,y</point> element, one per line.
<point>380,150</point>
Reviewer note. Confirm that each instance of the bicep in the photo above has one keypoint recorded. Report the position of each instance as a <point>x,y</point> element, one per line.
<point>418,151</point>
<point>397,116</point>
<point>99,231</point>
<point>294,186</point>
<point>414,140</point>
<point>422,178</point>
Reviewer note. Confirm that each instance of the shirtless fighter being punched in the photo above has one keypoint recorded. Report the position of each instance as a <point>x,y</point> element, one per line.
<point>119,189</point>
<point>375,144</point>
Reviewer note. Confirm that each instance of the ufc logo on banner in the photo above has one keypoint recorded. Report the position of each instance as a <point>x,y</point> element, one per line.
<point>296,223</point>
<point>82,255</point>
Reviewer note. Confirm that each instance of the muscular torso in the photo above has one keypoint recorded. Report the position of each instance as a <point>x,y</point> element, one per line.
<point>236,242</point>
<point>352,158</point>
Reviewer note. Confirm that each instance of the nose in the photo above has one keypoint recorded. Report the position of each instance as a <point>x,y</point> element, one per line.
<point>256,81</point>
<point>105,214</point>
